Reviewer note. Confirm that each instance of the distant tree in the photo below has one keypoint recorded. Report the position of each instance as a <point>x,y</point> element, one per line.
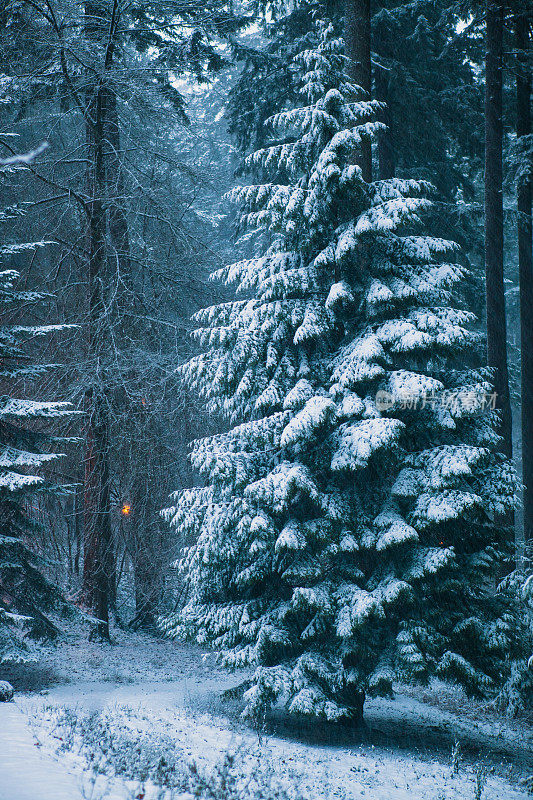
<point>434,99</point>
<point>345,534</point>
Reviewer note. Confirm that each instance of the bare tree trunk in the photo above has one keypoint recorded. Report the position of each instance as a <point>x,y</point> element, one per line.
<point>495,293</point>
<point>525,265</point>
<point>357,39</point>
<point>119,241</point>
<point>138,527</point>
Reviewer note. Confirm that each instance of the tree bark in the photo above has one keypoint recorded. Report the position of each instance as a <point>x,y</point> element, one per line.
<point>386,154</point>
<point>495,292</point>
<point>98,564</point>
<point>357,39</point>
<point>78,521</point>
<point>525,266</point>
<point>98,568</point>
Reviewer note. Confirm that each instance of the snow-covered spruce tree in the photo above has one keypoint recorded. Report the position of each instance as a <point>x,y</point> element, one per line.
<point>25,594</point>
<point>341,541</point>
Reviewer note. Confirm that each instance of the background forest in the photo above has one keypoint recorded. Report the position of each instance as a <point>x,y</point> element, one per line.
<point>395,136</point>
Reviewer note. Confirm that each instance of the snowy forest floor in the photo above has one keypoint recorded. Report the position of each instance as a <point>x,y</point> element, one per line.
<point>124,721</point>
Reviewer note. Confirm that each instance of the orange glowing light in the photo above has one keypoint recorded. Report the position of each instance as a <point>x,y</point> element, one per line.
<point>125,510</point>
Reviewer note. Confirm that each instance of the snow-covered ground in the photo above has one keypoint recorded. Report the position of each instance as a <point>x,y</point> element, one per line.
<point>24,768</point>
<point>157,701</point>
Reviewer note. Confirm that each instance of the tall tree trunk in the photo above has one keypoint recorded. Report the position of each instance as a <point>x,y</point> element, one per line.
<point>98,569</point>
<point>525,265</point>
<point>138,526</point>
<point>357,39</point>
<point>78,521</point>
<point>118,222</point>
<point>495,292</point>
<point>386,154</point>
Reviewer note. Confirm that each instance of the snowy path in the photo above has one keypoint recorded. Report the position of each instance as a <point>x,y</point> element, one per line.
<point>26,772</point>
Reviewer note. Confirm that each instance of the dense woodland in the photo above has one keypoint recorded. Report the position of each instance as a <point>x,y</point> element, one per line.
<point>266,338</point>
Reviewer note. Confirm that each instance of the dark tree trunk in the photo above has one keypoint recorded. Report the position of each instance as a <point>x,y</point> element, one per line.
<point>355,702</point>
<point>357,38</point>
<point>118,223</point>
<point>119,266</point>
<point>98,568</point>
<point>495,292</point>
<point>98,565</point>
<point>78,521</point>
<point>386,154</point>
<point>525,265</point>
<point>138,527</point>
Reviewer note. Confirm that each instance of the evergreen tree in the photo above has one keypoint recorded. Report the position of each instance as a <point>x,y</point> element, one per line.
<point>345,533</point>
<point>25,594</point>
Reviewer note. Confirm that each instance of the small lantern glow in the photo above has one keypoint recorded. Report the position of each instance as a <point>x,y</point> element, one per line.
<point>125,510</point>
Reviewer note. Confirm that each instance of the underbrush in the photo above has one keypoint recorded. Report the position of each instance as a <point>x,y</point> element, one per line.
<point>112,747</point>
<point>112,743</point>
